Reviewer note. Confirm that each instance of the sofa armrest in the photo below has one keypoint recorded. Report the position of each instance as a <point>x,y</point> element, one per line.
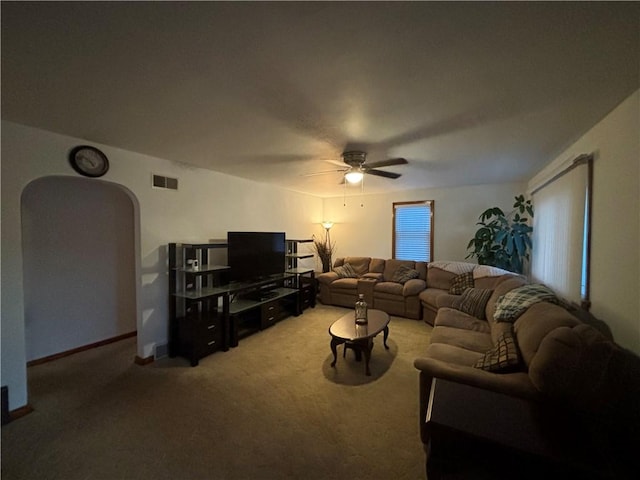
<point>446,300</point>
<point>327,277</point>
<point>517,384</point>
<point>375,276</point>
<point>413,287</point>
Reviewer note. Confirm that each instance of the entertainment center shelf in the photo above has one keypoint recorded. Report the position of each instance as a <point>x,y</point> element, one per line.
<point>303,277</point>
<point>209,311</point>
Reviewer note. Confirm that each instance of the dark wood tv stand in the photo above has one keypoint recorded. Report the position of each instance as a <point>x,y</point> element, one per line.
<point>253,307</point>
<point>207,313</point>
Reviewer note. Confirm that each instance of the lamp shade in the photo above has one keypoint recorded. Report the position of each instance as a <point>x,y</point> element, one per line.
<point>327,225</point>
<point>353,176</point>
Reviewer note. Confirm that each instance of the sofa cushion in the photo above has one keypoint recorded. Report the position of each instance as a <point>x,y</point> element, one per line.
<point>345,284</point>
<point>472,340</point>
<point>430,295</point>
<point>345,271</point>
<point>482,271</point>
<point>514,303</point>
<point>453,355</point>
<point>535,324</point>
<point>454,267</point>
<point>571,364</point>
<point>392,288</point>
<point>421,268</point>
<point>474,302</point>
<point>504,286</point>
<point>450,317</point>
<point>491,282</point>
<point>359,264</point>
<point>413,287</point>
<point>438,278</point>
<point>404,273</point>
<point>376,265</point>
<point>327,278</point>
<point>460,283</point>
<point>392,265</point>
<point>503,357</point>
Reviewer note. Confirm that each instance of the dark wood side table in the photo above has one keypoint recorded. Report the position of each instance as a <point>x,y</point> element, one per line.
<point>480,434</point>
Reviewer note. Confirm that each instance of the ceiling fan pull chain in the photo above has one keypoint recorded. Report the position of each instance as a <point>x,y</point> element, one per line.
<point>344,193</point>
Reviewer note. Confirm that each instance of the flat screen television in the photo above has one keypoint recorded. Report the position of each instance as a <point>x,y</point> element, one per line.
<point>255,255</point>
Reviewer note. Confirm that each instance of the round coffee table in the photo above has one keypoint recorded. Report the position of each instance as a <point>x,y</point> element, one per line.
<point>358,337</point>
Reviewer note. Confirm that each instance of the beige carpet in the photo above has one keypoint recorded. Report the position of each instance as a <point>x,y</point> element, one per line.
<point>272,408</point>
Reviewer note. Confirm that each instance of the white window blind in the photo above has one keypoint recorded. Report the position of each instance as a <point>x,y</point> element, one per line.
<point>561,233</point>
<point>413,230</point>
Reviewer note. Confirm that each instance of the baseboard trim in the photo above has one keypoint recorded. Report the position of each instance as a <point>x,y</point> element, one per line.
<point>84,348</point>
<point>20,412</point>
<point>143,361</point>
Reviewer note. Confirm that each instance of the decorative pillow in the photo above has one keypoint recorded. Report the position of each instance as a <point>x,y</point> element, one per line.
<point>460,283</point>
<point>473,301</point>
<point>403,274</point>
<point>514,303</point>
<point>346,271</point>
<point>504,357</point>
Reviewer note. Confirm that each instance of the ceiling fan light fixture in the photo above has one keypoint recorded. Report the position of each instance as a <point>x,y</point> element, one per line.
<point>354,176</point>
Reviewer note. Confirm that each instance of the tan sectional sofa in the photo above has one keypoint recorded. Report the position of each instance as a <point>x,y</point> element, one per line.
<point>374,277</point>
<point>416,298</point>
<point>441,275</point>
<point>566,359</point>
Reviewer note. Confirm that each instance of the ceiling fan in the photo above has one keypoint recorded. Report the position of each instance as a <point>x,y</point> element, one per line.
<point>354,166</point>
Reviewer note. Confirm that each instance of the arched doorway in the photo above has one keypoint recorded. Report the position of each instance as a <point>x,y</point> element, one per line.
<point>79,262</point>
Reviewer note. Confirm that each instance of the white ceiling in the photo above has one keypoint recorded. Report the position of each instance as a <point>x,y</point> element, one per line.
<point>468,93</point>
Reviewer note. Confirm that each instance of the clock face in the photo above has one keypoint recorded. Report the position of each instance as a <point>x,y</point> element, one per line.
<point>89,161</point>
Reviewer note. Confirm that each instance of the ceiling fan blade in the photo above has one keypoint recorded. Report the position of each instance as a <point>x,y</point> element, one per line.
<point>382,173</point>
<point>387,163</point>
<point>338,163</point>
<point>325,172</point>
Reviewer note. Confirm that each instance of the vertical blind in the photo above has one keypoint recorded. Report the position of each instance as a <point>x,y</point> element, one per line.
<point>561,233</point>
<point>412,225</point>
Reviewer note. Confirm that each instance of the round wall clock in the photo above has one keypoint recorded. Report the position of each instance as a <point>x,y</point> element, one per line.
<point>89,161</point>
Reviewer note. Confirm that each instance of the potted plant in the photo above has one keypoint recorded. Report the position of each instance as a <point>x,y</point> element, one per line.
<point>503,241</point>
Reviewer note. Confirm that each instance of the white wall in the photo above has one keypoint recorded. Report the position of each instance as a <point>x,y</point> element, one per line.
<point>615,226</point>
<point>207,205</point>
<point>367,230</point>
<point>78,247</point>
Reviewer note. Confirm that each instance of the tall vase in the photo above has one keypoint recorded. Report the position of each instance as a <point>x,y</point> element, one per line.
<point>326,264</point>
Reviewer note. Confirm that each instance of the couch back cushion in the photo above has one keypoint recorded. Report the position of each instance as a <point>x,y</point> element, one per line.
<point>538,321</point>
<point>439,278</point>
<point>359,264</point>
<point>376,265</point>
<point>571,365</point>
<point>421,267</point>
<point>503,284</point>
<point>392,265</point>
<point>490,283</point>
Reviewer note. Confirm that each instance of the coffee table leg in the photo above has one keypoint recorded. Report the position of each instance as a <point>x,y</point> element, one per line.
<point>334,345</point>
<point>367,355</point>
<point>386,335</point>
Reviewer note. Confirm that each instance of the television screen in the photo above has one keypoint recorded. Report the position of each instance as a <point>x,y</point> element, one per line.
<point>255,255</point>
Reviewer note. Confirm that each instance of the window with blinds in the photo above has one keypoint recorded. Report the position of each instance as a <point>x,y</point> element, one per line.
<point>413,230</point>
<point>561,232</point>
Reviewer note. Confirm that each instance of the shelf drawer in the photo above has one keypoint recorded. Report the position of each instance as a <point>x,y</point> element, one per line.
<point>208,328</point>
<point>209,341</point>
<point>270,312</point>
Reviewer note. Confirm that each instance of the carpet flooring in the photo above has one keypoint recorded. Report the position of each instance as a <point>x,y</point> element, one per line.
<point>272,408</point>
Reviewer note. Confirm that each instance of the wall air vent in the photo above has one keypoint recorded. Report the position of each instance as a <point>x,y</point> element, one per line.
<point>160,181</point>
<point>161,351</point>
